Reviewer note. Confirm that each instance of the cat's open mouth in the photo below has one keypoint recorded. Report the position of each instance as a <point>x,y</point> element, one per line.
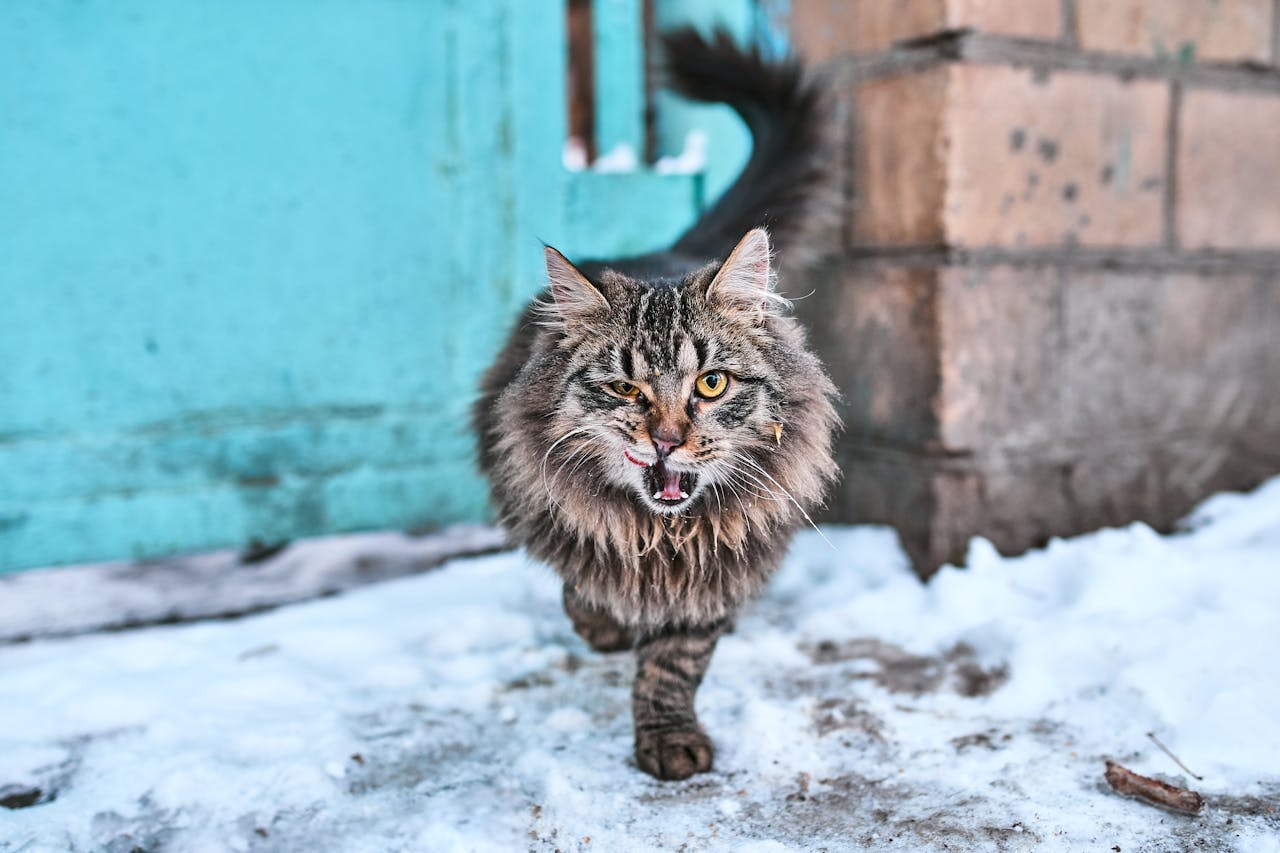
<point>664,485</point>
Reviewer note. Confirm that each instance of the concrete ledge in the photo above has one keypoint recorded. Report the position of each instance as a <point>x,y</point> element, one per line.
<point>219,585</point>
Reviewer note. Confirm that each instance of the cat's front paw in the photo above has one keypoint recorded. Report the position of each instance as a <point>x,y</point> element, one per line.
<point>674,755</point>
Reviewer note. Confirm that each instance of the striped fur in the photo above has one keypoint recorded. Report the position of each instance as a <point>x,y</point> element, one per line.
<point>576,467</point>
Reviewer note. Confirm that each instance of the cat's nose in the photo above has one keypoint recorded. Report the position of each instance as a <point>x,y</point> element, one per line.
<point>666,438</point>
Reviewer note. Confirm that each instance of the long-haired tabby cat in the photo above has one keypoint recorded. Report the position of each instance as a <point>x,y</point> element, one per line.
<point>655,427</point>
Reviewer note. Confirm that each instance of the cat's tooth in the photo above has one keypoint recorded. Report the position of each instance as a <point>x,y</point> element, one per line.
<point>684,495</point>
<point>657,496</point>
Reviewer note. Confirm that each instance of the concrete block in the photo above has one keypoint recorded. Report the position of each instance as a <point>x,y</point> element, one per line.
<point>1111,487</point>
<point>1068,158</point>
<point>900,157</point>
<point>985,155</point>
<point>1193,468</point>
<point>823,29</point>
<point>1033,19</point>
<point>1020,403</point>
<point>1263,428</point>
<point>826,28</point>
<point>1152,354</point>
<point>875,327</point>
<point>1000,352</point>
<point>1229,170</point>
<point>1217,31</point>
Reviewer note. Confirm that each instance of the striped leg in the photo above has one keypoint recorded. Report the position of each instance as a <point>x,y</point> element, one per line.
<point>601,631</point>
<point>670,664</point>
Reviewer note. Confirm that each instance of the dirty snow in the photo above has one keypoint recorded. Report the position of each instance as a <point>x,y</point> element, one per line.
<point>855,708</point>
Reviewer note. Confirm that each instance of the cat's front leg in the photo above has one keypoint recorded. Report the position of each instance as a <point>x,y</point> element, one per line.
<point>601,631</point>
<point>670,663</point>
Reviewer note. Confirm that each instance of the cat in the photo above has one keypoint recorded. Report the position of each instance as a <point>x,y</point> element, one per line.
<point>655,428</point>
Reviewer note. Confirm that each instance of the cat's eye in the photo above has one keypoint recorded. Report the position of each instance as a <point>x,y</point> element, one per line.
<point>624,389</point>
<point>711,384</point>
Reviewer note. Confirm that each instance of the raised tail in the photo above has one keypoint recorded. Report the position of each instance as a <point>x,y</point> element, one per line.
<point>786,185</point>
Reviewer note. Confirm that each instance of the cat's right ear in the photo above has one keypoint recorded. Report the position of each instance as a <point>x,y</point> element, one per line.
<point>576,299</point>
<point>744,284</point>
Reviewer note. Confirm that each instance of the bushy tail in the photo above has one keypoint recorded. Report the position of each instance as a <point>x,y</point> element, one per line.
<point>786,185</point>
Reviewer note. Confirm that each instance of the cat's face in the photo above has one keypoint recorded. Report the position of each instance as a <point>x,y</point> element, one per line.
<point>672,395</point>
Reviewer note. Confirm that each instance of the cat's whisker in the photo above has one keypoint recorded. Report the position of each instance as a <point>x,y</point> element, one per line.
<point>760,468</point>
<point>746,516</point>
<point>740,485</point>
<point>577,466</point>
<point>747,481</point>
<point>715,489</point>
<point>750,478</point>
<point>546,456</point>
<point>763,490</point>
<point>582,453</point>
<point>736,483</point>
<point>729,483</point>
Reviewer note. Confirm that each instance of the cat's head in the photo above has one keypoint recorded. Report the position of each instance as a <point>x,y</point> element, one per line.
<point>676,389</point>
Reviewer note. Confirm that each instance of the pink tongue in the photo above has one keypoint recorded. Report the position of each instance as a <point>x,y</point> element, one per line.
<point>671,486</point>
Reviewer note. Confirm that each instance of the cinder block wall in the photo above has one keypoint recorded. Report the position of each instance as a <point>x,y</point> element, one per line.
<point>1054,303</point>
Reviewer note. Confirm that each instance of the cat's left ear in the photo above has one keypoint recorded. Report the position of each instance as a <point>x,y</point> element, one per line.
<point>745,280</point>
<point>576,299</point>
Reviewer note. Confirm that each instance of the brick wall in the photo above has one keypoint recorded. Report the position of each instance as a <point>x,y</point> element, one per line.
<point>1055,301</point>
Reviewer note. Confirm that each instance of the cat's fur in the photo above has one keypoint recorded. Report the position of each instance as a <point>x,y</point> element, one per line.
<point>589,479</point>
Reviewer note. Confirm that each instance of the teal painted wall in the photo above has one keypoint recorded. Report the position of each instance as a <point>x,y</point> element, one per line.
<point>254,255</point>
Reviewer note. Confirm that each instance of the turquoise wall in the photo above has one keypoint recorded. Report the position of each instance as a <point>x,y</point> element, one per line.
<point>254,255</point>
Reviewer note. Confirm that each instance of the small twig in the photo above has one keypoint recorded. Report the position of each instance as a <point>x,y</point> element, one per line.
<point>1157,742</point>
<point>1153,792</point>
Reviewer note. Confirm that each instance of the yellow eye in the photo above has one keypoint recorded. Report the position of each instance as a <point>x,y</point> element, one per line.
<point>711,384</point>
<point>624,389</point>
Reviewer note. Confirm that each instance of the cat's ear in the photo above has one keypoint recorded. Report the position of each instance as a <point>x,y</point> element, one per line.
<point>576,299</point>
<point>745,281</point>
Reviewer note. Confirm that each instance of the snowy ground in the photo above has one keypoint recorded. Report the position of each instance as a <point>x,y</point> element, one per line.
<point>854,708</point>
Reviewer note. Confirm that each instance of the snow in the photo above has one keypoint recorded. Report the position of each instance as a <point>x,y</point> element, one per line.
<point>574,155</point>
<point>692,158</point>
<point>620,158</point>
<point>853,708</point>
